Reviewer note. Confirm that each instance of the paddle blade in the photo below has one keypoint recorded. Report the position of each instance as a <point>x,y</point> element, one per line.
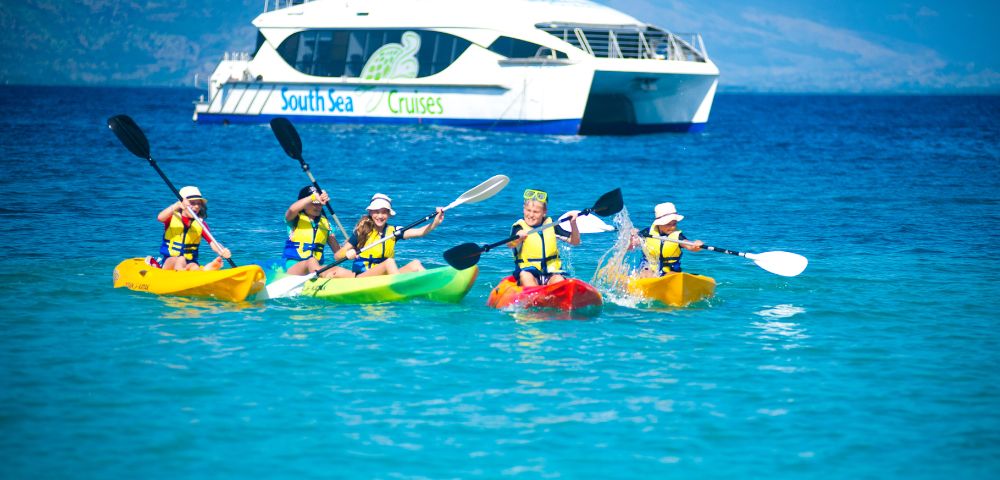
<point>586,223</point>
<point>130,135</point>
<point>609,204</point>
<point>786,264</point>
<point>287,136</point>
<point>463,256</point>
<point>289,286</point>
<point>482,191</point>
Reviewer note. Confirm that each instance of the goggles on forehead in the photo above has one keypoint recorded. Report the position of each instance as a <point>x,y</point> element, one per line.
<point>531,194</point>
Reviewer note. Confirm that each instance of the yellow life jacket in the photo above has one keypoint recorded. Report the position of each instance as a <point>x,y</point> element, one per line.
<point>180,240</point>
<point>306,238</point>
<point>538,250</point>
<point>378,254</point>
<point>660,252</point>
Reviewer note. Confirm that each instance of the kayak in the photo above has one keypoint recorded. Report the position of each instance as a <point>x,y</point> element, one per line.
<point>674,289</point>
<point>569,295</point>
<point>442,284</point>
<point>230,284</point>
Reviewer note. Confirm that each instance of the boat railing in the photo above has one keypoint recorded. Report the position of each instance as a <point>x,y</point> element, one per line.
<point>271,5</point>
<point>631,42</point>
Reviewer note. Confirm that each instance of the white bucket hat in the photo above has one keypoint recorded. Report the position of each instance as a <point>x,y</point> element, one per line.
<point>380,201</point>
<point>192,193</point>
<point>666,213</point>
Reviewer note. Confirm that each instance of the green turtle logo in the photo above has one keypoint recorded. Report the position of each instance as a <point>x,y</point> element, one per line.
<point>392,61</point>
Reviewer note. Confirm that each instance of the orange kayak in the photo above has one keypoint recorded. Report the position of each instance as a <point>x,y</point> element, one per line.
<point>569,295</point>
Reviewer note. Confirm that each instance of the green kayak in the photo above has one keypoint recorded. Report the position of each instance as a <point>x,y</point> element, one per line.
<point>442,284</point>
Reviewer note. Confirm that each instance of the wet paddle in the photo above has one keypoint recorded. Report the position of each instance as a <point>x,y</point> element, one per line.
<point>786,264</point>
<point>131,136</point>
<point>289,139</point>
<point>292,285</point>
<point>587,224</point>
<point>467,254</point>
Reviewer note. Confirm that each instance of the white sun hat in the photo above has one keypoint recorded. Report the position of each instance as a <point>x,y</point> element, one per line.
<point>380,201</point>
<point>192,193</point>
<point>666,213</point>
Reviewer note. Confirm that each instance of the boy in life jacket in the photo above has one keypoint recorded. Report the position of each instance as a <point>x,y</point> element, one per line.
<point>308,234</point>
<point>182,234</point>
<point>371,228</point>
<point>536,255</point>
<point>661,257</point>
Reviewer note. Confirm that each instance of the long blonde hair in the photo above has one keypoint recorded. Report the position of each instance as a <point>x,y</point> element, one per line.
<point>364,228</point>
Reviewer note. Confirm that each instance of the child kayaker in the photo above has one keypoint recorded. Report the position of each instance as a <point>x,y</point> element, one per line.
<point>371,228</point>
<point>661,256</point>
<point>309,233</point>
<point>536,256</point>
<point>182,234</point>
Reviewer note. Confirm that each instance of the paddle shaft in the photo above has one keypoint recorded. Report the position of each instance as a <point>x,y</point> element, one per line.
<point>194,215</point>
<point>706,247</point>
<point>305,168</point>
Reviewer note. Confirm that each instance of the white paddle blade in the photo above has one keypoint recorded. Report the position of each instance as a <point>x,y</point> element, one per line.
<point>289,286</point>
<point>586,223</point>
<point>482,191</point>
<point>786,264</point>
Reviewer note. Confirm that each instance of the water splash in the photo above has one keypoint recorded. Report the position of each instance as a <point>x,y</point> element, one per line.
<point>619,264</point>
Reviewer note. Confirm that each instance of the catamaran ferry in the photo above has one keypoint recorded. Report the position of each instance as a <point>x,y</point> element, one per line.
<point>540,66</point>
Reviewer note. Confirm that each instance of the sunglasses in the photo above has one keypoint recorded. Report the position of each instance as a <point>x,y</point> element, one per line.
<point>539,195</point>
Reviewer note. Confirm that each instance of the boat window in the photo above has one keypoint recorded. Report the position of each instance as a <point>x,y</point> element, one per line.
<point>260,41</point>
<point>388,54</point>
<point>515,48</point>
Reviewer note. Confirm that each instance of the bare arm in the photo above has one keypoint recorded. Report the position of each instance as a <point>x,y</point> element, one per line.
<point>166,213</point>
<point>574,233</point>
<point>293,210</point>
<point>419,232</point>
<point>345,251</point>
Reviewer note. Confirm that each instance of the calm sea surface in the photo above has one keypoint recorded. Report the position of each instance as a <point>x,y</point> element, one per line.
<point>881,360</point>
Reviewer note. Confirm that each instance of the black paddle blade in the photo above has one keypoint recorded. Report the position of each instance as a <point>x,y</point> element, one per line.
<point>287,137</point>
<point>130,135</point>
<point>463,256</point>
<point>609,204</point>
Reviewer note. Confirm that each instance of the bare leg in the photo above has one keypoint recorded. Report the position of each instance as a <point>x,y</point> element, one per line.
<point>414,266</point>
<point>337,272</point>
<point>527,279</point>
<point>388,267</point>
<point>214,264</point>
<point>555,278</point>
<point>304,267</point>
<point>175,263</point>
<point>647,273</point>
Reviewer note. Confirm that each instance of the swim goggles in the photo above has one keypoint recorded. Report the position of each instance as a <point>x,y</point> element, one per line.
<point>531,194</point>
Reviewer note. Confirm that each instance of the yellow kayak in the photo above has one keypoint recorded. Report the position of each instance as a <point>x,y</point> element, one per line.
<point>674,289</point>
<point>231,284</point>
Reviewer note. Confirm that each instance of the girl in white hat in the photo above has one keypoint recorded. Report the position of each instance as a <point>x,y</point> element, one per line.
<point>662,256</point>
<point>182,234</point>
<point>374,226</point>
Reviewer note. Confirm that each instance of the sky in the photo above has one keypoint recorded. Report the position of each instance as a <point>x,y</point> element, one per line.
<point>795,46</point>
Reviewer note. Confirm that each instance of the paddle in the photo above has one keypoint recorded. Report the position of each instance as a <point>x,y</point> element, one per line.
<point>291,285</point>
<point>135,141</point>
<point>786,264</point>
<point>467,254</point>
<point>588,224</point>
<point>289,139</point>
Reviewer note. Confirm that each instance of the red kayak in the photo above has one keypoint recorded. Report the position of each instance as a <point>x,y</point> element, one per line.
<point>569,295</point>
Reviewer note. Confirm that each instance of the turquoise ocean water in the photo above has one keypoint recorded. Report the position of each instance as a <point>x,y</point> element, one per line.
<point>879,361</point>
